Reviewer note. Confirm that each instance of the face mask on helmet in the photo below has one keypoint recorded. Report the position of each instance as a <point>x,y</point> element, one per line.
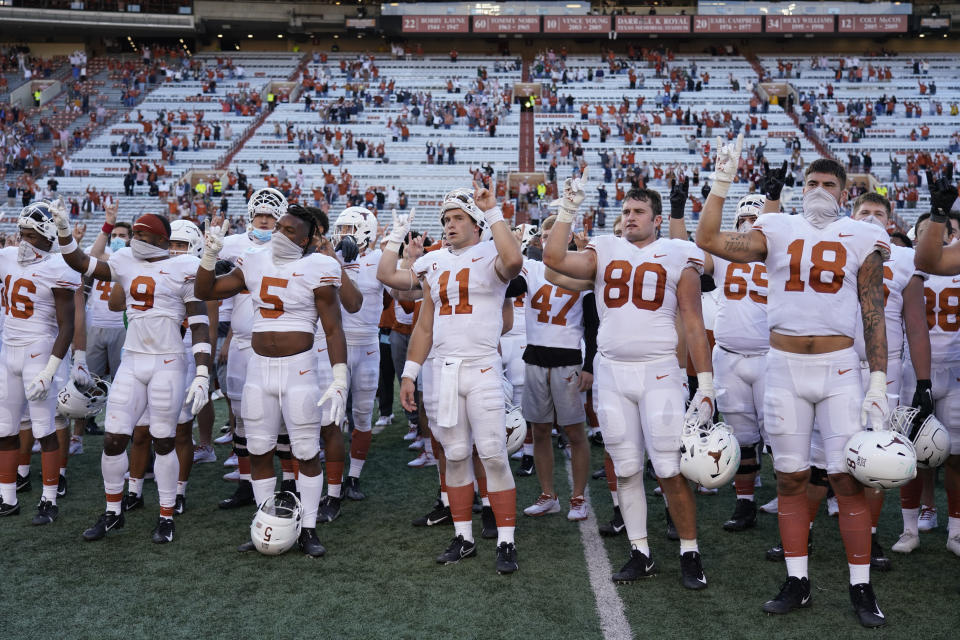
<point>266,201</point>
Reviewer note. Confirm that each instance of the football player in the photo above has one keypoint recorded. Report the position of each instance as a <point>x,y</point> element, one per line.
<point>817,260</point>
<point>158,290</point>
<point>38,298</point>
<point>643,281</point>
<point>463,291</point>
<point>290,291</point>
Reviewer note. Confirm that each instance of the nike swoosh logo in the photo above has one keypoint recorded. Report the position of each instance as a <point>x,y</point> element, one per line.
<point>475,259</point>
<point>368,264</point>
<point>321,350</point>
<point>163,273</point>
<point>843,371</point>
<point>846,235</point>
<point>660,255</point>
<point>956,280</point>
<point>431,522</point>
<point>805,600</point>
<point>305,372</point>
<point>892,381</point>
<point>296,275</point>
<point>663,376</point>
<point>702,579</point>
<point>370,353</point>
<point>169,361</point>
<point>485,370</point>
<point>34,355</point>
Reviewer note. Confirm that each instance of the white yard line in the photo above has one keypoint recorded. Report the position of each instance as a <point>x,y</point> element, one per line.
<point>613,621</point>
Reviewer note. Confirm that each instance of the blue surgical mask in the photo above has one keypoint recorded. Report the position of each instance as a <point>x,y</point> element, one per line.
<point>261,235</point>
<point>117,243</point>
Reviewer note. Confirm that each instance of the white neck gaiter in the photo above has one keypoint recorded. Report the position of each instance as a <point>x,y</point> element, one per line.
<point>29,254</point>
<point>820,208</point>
<point>145,251</point>
<point>284,250</point>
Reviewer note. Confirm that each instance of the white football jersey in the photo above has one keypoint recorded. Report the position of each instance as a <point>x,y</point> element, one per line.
<point>30,309</point>
<point>554,315</point>
<point>636,292</point>
<point>283,298</point>
<point>241,315</point>
<point>98,309</point>
<point>402,316</point>
<point>156,295</point>
<point>812,273</point>
<point>741,321</point>
<point>362,327</point>
<point>942,297</point>
<point>519,328</point>
<point>467,299</point>
<point>898,270</point>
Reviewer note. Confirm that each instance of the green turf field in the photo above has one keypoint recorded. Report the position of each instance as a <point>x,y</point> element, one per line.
<point>379,578</point>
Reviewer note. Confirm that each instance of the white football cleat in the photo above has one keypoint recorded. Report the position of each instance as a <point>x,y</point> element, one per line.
<point>411,433</point>
<point>578,509</point>
<point>771,507</point>
<point>384,421</point>
<point>833,508</point>
<point>36,446</point>
<point>233,476</point>
<point>706,491</point>
<point>226,438</point>
<point>928,518</point>
<point>908,542</point>
<point>231,461</point>
<point>216,395</point>
<point>953,544</point>
<point>425,459</point>
<point>545,504</point>
<point>204,453</point>
<point>76,446</point>
<point>517,455</point>
<point>416,445</point>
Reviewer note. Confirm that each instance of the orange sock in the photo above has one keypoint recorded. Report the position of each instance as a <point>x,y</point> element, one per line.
<point>286,464</point>
<point>953,504</point>
<point>50,467</point>
<point>482,486</point>
<point>166,512</point>
<point>243,465</point>
<point>461,502</point>
<point>813,506</point>
<point>875,501</point>
<point>360,444</point>
<point>910,494</point>
<point>611,474</point>
<point>296,468</point>
<point>793,516</point>
<point>504,505</point>
<point>743,484</point>
<point>24,458</point>
<point>8,466</point>
<point>855,527</point>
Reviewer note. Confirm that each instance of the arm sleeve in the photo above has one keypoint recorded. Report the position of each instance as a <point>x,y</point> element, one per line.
<point>591,323</point>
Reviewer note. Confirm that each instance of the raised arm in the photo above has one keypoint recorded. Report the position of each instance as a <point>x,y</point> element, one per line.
<point>72,255</point>
<point>389,271</point>
<point>350,296</point>
<point>678,224</point>
<point>931,256</point>
<point>208,285</point>
<point>509,259</point>
<point>103,238</point>
<point>581,265</point>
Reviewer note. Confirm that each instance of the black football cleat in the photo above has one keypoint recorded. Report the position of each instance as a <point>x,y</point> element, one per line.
<point>794,594</point>
<point>242,497</point>
<point>23,483</point>
<point>46,512</point>
<point>62,486</point>
<point>329,509</point>
<point>638,566</point>
<point>131,502</point>
<point>691,571</point>
<point>671,528</point>
<point>488,523</point>
<point>599,474</point>
<point>526,466</point>
<point>351,488</point>
<point>180,505</point>
<point>163,532</point>
<point>246,547</point>
<point>458,550</point>
<point>615,527</point>
<point>9,509</point>
<point>506,558</point>
<point>878,559</point>
<point>865,605</point>
<point>310,544</point>
<point>107,521</point>
<point>744,516</point>
<point>596,439</point>
<point>439,515</point>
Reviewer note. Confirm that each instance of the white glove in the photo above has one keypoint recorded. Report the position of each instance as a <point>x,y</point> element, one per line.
<point>336,394</point>
<point>198,393</point>
<point>704,401</point>
<point>873,415</point>
<point>399,230</point>
<point>59,213</point>
<point>212,244</point>
<point>725,166</point>
<point>571,198</point>
<point>40,386</point>
<point>80,374</point>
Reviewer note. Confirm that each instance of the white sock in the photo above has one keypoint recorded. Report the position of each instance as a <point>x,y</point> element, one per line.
<point>615,496</point>
<point>113,469</point>
<point>444,499</point>
<point>527,449</point>
<point>181,487</point>
<point>49,493</point>
<point>953,527</point>
<point>485,501</point>
<point>263,489</point>
<point>859,573</point>
<point>688,545</point>
<point>464,529</point>
<point>8,493</point>
<point>873,530</point>
<point>633,505</point>
<point>641,545</point>
<point>166,469</point>
<point>748,496</point>
<point>797,566</point>
<point>23,470</point>
<point>333,490</point>
<point>504,534</point>
<point>63,471</point>
<point>428,445</point>
<point>135,486</point>
<point>287,475</point>
<point>310,489</point>
<point>356,466</point>
<point>911,521</point>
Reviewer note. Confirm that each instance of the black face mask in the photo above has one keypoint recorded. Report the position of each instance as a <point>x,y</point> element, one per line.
<point>348,248</point>
<point>535,253</point>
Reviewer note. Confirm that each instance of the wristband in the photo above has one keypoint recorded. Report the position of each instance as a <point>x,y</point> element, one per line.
<point>52,365</point>
<point>202,371</point>
<point>493,215</point>
<point>198,319</point>
<point>106,228</point>
<point>394,246</point>
<point>70,247</point>
<point>676,215</point>
<point>208,261</point>
<point>202,347</point>
<point>411,370</point>
<point>91,267</point>
<point>719,188</point>
<point>878,382</point>
<point>566,215</point>
<point>79,356</point>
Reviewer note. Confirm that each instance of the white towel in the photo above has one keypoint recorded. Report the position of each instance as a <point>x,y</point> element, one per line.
<point>448,397</point>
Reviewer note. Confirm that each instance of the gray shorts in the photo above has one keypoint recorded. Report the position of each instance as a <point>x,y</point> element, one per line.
<point>553,390</point>
<point>104,346</point>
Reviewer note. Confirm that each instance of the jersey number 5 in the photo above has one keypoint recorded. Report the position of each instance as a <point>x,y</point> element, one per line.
<point>617,280</point>
<point>270,298</point>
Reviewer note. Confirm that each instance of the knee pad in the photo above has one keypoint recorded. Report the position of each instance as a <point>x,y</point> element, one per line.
<point>300,404</point>
<point>818,477</point>
<point>260,444</point>
<point>252,404</point>
<point>457,451</point>
<point>627,461</point>
<point>305,445</point>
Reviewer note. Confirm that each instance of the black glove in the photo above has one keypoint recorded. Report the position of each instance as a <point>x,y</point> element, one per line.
<point>943,193</point>
<point>678,198</point>
<point>923,398</point>
<point>348,248</point>
<point>772,182</point>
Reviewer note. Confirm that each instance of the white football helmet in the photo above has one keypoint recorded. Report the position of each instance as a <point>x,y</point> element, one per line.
<point>749,205</point>
<point>39,217</point>
<point>462,199</point>
<point>516,429</point>
<point>881,459</point>
<point>358,222</point>
<point>267,201</point>
<point>931,440</point>
<point>527,233</point>
<point>276,524</point>
<point>186,231</point>
<point>79,404</point>
<point>709,455</point>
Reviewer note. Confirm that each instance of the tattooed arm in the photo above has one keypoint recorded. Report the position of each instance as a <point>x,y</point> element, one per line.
<point>870,289</point>
<point>736,247</point>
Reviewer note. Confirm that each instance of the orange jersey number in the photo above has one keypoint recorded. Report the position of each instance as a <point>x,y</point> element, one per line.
<point>820,264</point>
<point>617,279</point>
<point>948,316</point>
<point>735,285</point>
<point>19,305</point>
<point>270,298</point>
<point>104,288</point>
<point>463,294</point>
<point>541,302</point>
<point>142,289</point>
